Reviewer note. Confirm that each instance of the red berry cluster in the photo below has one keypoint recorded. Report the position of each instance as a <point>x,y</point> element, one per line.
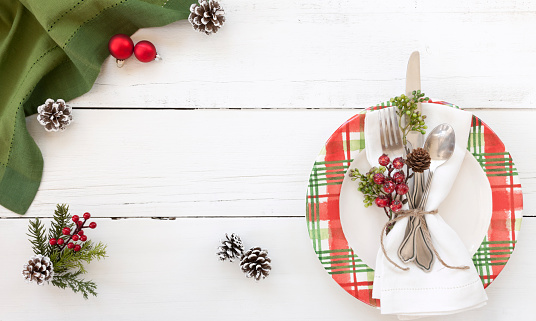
<point>393,184</point>
<point>76,235</point>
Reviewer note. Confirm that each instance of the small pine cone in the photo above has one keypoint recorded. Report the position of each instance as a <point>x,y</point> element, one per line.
<point>418,160</point>
<point>207,17</point>
<point>54,115</point>
<point>231,248</point>
<point>38,269</point>
<point>255,263</point>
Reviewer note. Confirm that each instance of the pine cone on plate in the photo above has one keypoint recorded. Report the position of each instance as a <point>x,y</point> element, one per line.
<point>231,248</point>
<point>207,17</point>
<point>38,269</point>
<point>255,263</point>
<point>54,115</point>
<point>418,160</point>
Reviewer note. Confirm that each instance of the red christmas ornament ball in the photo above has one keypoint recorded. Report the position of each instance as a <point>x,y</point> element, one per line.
<point>121,46</point>
<point>145,51</point>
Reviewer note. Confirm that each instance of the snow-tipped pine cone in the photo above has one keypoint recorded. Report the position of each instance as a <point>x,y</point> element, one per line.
<point>255,263</point>
<point>231,248</point>
<point>39,269</point>
<point>207,17</point>
<point>54,115</point>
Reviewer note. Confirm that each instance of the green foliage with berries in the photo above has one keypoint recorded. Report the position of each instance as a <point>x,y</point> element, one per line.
<point>409,119</point>
<point>68,258</point>
<point>367,186</point>
<point>385,186</point>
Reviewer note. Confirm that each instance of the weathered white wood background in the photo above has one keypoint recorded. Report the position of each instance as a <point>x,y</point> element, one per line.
<point>220,137</point>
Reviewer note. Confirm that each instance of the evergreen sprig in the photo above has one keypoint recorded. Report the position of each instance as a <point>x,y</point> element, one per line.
<point>67,260</point>
<point>68,264</point>
<point>36,232</point>
<point>62,218</point>
<point>73,281</point>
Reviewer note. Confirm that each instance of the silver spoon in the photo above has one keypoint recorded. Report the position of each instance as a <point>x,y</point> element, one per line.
<point>440,145</point>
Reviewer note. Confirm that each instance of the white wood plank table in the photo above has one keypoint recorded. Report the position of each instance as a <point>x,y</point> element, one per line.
<point>220,137</point>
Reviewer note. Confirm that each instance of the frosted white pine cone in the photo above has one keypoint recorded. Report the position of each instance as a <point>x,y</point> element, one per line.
<point>54,115</point>
<point>207,17</point>
<point>256,264</point>
<point>39,269</point>
<point>231,248</point>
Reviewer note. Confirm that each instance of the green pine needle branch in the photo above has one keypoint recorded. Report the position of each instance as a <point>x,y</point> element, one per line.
<point>68,264</point>
<point>73,281</point>
<point>36,232</point>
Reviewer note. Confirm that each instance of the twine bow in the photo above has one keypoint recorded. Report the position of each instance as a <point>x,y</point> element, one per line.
<point>418,216</point>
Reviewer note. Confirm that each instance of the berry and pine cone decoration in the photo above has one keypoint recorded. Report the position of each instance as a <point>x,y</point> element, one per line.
<point>54,115</point>
<point>418,160</point>
<point>39,269</point>
<point>231,248</point>
<point>256,264</point>
<point>207,17</point>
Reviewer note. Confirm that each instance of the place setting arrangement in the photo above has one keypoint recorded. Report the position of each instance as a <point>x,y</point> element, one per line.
<point>414,205</point>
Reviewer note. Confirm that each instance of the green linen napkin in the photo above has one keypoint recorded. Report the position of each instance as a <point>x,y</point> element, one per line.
<point>54,49</point>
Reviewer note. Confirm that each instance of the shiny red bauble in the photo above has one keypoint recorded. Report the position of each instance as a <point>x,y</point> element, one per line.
<point>145,51</point>
<point>121,46</point>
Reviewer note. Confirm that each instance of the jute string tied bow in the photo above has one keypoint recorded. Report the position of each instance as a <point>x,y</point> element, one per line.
<point>418,215</point>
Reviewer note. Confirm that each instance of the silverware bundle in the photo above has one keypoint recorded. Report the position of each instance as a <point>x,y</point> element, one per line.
<point>440,145</point>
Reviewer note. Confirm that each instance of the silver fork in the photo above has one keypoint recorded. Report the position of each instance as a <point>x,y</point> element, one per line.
<point>412,248</point>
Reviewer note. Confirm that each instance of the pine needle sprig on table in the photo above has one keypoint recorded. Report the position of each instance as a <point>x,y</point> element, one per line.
<point>36,232</point>
<point>68,249</point>
<point>68,260</point>
<point>61,219</point>
<point>73,281</point>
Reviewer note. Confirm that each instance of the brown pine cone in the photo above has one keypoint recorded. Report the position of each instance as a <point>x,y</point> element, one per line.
<point>39,269</point>
<point>54,115</point>
<point>418,160</point>
<point>231,248</point>
<point>255,263</point>
<point>207,17</point>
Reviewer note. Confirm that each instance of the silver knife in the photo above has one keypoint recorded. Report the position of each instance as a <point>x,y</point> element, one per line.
<point>413,83</point>
<point>413,247</point>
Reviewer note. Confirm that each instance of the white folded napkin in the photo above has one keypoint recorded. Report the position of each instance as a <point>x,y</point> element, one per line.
<point>416,293</point>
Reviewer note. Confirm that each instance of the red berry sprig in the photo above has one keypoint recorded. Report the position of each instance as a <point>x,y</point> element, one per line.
<point>384,186</point>
<point>75,235</point>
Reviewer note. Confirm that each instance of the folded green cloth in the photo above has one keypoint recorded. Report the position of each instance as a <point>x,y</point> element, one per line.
<point>54,49</point>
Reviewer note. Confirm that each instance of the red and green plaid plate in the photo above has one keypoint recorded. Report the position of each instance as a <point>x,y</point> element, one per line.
<point>323,217</point>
